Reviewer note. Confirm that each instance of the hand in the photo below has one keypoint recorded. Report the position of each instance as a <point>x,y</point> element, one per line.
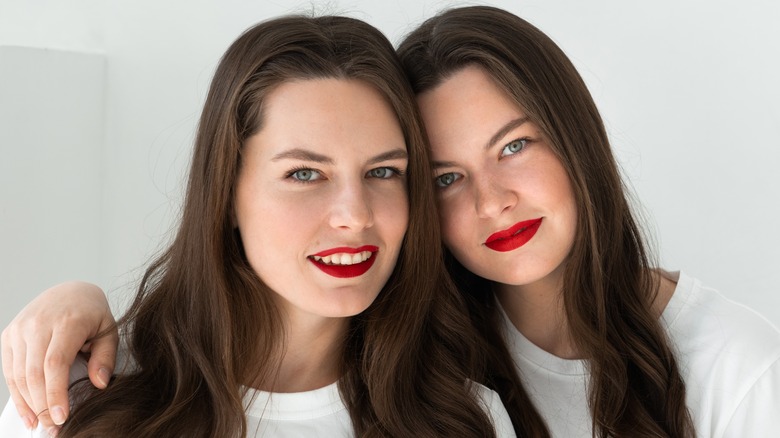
<point>42,342</point>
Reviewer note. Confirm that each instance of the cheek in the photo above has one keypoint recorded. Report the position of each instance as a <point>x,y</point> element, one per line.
<point>276,224</point>
<point>454,222</point>
<point>391,214</point>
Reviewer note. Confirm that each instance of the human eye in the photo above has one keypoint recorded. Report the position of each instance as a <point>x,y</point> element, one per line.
<point>385,172</point>
<point>513,147</point>
<point>447,179</point>
<point>304,175</point>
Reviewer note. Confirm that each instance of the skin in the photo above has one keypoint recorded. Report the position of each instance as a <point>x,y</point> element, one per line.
<point>337,183</point>
<point>36,372</point>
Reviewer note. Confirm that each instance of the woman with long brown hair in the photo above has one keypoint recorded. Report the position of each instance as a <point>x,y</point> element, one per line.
<point>542,240</point>
<point>294,299</point>
<point>583,335</point>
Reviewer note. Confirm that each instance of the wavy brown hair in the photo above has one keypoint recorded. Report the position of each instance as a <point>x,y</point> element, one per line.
<point>203,324</point>
<point>608,289</point>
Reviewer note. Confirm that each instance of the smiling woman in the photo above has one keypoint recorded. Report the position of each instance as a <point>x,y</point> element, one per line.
<point>318,201</point>
<point>545,244</point>
<point>294,300</point>
<point>499,161</point>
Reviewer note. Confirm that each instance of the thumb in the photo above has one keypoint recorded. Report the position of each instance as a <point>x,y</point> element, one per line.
<point>102,360</point>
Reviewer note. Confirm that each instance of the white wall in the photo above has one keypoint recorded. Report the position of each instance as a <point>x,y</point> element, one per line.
<point>688,91</point>
<point>51,137</point>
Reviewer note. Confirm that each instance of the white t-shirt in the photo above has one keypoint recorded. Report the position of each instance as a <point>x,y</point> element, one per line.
<point>317,413</point>
<point>729,358</point>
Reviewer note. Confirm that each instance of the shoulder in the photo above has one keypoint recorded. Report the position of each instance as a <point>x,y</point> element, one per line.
<point>755,414</point>
<point>491,403</point>
<point>728,354</point>
<point>700,319</point>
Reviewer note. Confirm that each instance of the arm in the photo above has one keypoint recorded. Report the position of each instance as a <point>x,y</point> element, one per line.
<point>757,413</point>
<point>42,342</point>
<point>496,411</point>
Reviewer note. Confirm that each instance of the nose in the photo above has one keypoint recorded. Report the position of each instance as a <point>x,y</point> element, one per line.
<point>492,197</point>
<point>351,208</point>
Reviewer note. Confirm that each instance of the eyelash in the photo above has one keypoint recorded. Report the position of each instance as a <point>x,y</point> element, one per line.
<point>291,174</point>
<point>523,144</point>
<point>439,186</point>
<point>396,172</point>
<point>524,141</point>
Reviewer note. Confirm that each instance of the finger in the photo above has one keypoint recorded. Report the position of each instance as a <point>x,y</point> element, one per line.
<point>19,372</point>
<point>24,410</point>
<point>34,374</point>
<point>102,360</point>
<point>57,371</point>
<point>61,354</point>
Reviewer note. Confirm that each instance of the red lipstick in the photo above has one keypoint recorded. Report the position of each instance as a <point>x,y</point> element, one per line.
<point>514,237</point>
<point>345,271</point>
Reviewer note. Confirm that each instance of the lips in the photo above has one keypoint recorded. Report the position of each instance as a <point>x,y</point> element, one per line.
<point>514,237</point>
<point>345,262</point>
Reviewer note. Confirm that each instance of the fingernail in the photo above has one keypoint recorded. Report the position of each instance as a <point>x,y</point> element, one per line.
<point>104,376</point>
<point>57,415</point>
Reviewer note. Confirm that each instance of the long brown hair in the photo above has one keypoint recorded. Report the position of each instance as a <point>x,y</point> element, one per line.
<point>203,324</point>
<point>608,288</point>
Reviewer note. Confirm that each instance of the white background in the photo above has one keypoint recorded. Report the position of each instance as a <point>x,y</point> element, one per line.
<point>91,163</point>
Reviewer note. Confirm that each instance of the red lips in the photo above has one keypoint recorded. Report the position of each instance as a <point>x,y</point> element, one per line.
<point>514,237</point>
<point>345,271</point>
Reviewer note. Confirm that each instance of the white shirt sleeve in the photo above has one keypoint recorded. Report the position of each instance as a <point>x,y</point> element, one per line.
<point>495,409</point>
<point>12,426</point>
<point>758,414</point>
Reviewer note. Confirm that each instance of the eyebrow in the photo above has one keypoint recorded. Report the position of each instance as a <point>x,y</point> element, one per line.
<point>306,155</point>
<point>512,124</point>
<point>395,154</point>
<point>302,154</point>
<point>441,164</point>
<point>505,130</point>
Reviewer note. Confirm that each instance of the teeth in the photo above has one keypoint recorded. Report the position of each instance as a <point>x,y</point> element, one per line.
<point>344,258</point>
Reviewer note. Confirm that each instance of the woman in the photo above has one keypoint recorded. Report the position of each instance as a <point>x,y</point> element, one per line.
<point>583,337</point>
<point>544,243</point>
<point>289,302</point>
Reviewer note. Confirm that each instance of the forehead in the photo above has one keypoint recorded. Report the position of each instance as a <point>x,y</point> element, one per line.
<point>467,107</point>
<point>323,95</point>
<point>312,112</point>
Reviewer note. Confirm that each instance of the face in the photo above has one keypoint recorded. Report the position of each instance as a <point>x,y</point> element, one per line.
<point>321,202</point>
<point>506,204</point>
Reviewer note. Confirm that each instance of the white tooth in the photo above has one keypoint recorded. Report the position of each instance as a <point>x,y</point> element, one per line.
<point>366,255</point>
<point>316,258</point>
<point>346,259</point>
<point>357,258</point>
<point>326,260</point>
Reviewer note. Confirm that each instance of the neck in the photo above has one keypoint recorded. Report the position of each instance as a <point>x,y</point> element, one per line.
<point>537,311</point>
<point>312,355</point>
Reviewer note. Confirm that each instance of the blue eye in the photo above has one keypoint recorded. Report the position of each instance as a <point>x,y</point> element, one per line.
<point>446,179</point>
<point>305,175</point>
<point>513,147</point>
<point>383,172</point>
